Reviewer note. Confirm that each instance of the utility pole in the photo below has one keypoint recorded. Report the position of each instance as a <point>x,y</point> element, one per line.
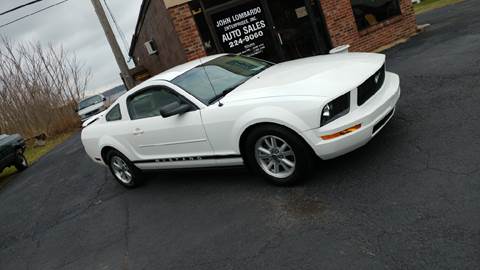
<point>117,52</point>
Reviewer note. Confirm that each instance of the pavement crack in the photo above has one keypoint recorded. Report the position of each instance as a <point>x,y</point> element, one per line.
<point>95,200</point>
<point>446,170</point>
<point>126,234</point>
<point>36,232</point>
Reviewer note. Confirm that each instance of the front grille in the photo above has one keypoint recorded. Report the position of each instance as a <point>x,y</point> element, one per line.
<point>367,89</point>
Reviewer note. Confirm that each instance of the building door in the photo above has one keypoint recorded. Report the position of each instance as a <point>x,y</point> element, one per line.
<point>298,28</point>
<point>268,29</point>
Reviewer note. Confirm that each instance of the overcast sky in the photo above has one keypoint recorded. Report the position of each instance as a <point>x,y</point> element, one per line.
<point>75,25</point>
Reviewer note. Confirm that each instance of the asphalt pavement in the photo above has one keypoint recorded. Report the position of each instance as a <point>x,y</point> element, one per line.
<point>410,199</point>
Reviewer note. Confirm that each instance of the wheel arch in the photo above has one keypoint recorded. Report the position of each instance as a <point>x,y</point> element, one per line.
<point>250,128</point>
<point>271,115</point>
<point>19,147</point>
<point>107,144</point>
<point>104,153</point>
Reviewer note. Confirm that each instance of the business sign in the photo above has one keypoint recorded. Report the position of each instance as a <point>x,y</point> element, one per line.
<point>242,29</point>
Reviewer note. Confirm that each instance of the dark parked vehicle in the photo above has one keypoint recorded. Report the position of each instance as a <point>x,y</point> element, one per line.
<point>12,148</point>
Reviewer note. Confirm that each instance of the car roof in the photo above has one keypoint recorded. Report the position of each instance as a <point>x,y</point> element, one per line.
<point>169,74</point>
<point>174,72</point>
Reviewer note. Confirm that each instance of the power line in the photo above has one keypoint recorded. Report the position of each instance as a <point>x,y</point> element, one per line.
<point>33,13</point>
<point>21,6</point>
<point>122,34</point>
<point>119,29</point>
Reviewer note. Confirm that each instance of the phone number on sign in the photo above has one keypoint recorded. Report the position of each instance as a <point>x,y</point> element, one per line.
<point>245,39</point>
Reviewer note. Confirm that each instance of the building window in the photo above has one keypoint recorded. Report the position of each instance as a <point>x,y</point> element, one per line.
<point>151,47</point>
<point>371,12</point>
<point>202,26</point>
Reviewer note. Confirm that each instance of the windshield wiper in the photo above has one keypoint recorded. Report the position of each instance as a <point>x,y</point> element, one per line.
<point>219,96</point>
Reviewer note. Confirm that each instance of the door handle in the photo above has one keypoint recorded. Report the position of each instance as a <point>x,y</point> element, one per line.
<point>280,38</point>
<point>137,132</point>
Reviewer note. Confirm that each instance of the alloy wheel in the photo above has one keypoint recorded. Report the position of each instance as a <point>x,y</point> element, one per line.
<point>121,170</point>
<point>275,156</point>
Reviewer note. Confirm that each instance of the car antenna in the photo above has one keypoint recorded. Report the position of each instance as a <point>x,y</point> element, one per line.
<point>220,104</point>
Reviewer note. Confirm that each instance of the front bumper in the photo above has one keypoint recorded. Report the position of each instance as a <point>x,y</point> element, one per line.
<point>378,110</point>
<point>91,114</point>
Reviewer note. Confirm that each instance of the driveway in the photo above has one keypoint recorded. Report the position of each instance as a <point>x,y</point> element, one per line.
<point>410,199</point>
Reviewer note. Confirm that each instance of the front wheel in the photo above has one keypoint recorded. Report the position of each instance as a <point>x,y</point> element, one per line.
<point>278,154</point>
<point>21,162</point>
<point>123,170</point>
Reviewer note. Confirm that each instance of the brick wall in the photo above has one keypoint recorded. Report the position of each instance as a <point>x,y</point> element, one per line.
<point>342,27</point>
<point>155,25</point>
<point>187,31</point>
<point>175,32</point>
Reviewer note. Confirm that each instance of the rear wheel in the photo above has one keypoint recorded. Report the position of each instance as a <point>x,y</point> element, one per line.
<point>21,162</point>
<point>278,154</point>
<point>123,170</point>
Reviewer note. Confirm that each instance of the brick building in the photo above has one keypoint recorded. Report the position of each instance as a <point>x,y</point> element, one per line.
<point>170,32</point>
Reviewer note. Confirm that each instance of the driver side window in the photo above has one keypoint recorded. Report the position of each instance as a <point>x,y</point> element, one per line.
<point>149,102</point>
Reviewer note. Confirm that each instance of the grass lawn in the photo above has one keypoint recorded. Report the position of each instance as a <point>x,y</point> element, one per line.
<point>33,154</point>
<point>427,5</point>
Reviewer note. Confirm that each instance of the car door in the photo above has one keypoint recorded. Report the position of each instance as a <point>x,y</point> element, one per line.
<point>164,139</point>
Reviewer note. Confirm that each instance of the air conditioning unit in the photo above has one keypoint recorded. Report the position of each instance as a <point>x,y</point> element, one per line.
<point>151,47</point>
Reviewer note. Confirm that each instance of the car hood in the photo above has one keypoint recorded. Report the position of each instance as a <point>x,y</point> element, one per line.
<point>322,76</point>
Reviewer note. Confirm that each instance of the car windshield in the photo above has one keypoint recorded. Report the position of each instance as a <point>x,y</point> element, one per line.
<point>3,136</point>
<point>89,102</point>
<point>214,79</point>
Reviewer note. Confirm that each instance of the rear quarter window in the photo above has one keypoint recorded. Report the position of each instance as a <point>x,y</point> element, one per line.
<point>114,114</point>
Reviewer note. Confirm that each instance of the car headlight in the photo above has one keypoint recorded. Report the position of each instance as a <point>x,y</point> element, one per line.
<point>335,109</point>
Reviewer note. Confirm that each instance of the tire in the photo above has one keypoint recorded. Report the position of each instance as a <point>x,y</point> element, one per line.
<point>21,162</point>
<point>123,170</point>
<point>285,161</point>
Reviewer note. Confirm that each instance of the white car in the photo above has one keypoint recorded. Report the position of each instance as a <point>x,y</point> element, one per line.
<point>91,106</point>
<point>228,110</point>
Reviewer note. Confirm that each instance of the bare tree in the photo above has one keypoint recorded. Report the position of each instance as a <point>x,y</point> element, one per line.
<point>39,88</point>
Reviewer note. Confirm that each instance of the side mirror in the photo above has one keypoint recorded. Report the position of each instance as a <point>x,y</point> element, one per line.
<point>174,108</point>
<point>104,99</point>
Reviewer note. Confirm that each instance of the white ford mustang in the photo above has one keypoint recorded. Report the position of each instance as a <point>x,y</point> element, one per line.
<point>228,110</point>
